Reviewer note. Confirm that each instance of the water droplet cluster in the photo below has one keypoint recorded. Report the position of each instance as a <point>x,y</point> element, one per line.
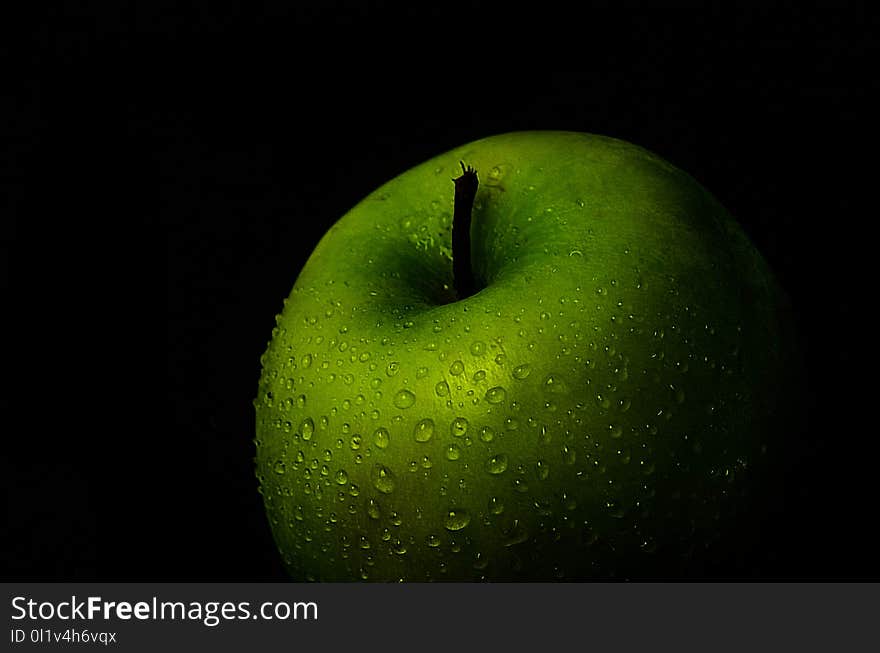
<point>542,437</point>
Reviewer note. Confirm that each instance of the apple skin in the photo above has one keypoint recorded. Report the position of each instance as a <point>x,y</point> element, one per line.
<point>607,404</point>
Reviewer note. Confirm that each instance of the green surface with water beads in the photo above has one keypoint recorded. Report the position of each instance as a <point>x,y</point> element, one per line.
<point>601,406</point>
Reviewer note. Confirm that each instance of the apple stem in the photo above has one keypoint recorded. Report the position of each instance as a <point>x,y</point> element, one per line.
<point>465,192</point>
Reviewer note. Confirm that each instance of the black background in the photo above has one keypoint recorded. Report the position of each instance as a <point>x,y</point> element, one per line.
<point>170,169</point>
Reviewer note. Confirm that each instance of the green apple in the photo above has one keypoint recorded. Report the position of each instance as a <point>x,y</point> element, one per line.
<point>602,404</point>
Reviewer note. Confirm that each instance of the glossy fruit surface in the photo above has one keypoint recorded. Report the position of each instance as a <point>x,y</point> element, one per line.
<point>602,406</point>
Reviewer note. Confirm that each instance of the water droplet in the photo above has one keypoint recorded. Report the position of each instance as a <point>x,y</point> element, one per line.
<point>456,368</point>
<point>487,434</point>
<point>279,467</point>
<point>496,506</point>
<point>459,427</point>
<point>648,545</point>
<point>520,372</point>
<point>373,509</point>
<point>442,389</point>
<point>569,455</point>
<point>383,478</point>
<point>478,348</point>
<point>421,373</point>
<point>545,437</point>
<point>497,464</point>
<point>456,519</point>
<point>615,509</point>
<point>544,508</point>
<point>404,399</point>
<point>432,541</point>
<point>341,477</point>
<point>615,431</point>
<point>542,469</point>
<point>496,395</point>
<point>453,452</point>
<point>381,437</point>
<point>424,430</point>
<point>306,360</point>
<point>554,384</point>
<point>307,428</point>
<point>515,534</point>
<point>479,375</point>
<point>393,368</point>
